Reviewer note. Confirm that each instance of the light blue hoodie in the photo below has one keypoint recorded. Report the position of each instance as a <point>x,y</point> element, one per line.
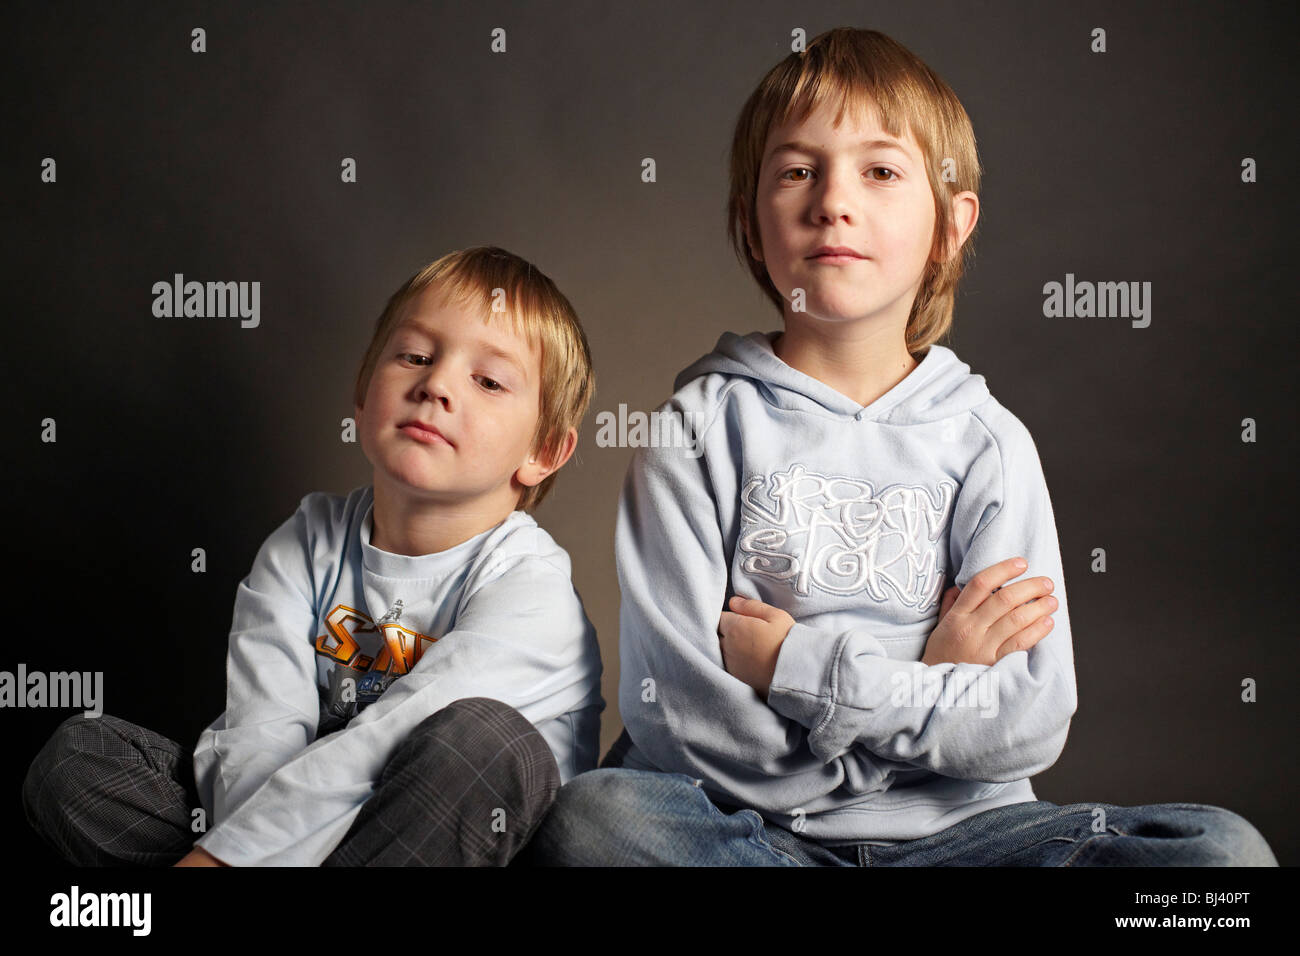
<point>850,519</point>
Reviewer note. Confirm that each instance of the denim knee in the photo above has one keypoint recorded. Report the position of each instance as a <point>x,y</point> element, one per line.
<point>1178,834</point>
<point>1229,839</point>
<point>601,794</point>
<point>588,812</point>
<point>595,808</point>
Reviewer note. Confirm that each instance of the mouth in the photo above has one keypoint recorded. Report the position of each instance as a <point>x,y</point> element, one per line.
<point>835,255</point>
<point>424,433</point>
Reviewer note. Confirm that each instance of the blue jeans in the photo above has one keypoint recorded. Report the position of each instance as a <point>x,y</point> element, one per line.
<point>621,817</point>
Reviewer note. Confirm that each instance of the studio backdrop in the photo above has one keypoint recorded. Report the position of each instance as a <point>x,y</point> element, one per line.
<point>316,155</point>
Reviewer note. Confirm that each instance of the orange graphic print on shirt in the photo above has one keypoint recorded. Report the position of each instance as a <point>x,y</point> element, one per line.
<point>357,678</point>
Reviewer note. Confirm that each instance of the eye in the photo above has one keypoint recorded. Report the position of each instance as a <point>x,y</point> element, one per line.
<point>413,355</point>
<point>490,384</point>
<point>802,174</point>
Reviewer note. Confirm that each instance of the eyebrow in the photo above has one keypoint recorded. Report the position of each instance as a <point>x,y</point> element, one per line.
<point>495,350</point>
<point>867,144</point>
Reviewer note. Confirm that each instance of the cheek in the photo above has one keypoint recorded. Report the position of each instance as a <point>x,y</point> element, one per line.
<point>924,224</point>
<point>376,412</point>
<point>525,426</point>
<point>366,419</point>
<point>367,428</point>
<point>909,237</point>
<point>777,225</point>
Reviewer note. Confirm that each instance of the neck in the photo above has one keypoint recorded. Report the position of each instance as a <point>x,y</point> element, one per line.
<point>859,363</point>
<point>400,525</point>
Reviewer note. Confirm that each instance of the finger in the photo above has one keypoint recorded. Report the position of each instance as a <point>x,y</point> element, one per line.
<point>1011,609</point>
<point>989,580</point>
<point>973,599</point>
<point>751,607</point>
<point>1026,638</point>
<point>732,625</point>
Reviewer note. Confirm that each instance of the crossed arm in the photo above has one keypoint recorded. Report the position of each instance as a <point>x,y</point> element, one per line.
<point>834,692</point>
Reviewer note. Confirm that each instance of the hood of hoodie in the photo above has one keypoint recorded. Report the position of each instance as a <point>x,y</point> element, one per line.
<point>939,387</point>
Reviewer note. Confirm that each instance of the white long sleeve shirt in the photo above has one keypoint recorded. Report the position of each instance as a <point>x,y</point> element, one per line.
<point>338,650</point>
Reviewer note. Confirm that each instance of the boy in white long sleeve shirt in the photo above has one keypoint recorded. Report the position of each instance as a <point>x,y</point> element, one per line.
<point>411,674</point>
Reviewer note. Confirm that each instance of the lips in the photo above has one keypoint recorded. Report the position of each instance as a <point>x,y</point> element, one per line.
<point>424,432</point>
<point>836,252</point>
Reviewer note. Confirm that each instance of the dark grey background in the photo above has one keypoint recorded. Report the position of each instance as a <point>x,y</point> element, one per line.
<point>177,433</point>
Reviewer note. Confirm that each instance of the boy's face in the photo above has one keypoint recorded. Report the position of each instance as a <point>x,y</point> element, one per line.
<point>478,385</point>
<point>821,186</point>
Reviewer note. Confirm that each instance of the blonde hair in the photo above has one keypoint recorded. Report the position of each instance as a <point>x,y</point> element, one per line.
<point>538,311</point>
<point>860,68</point>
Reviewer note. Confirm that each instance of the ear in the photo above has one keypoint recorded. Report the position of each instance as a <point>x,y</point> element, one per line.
<point>965,213</point>
<point>540,465</point>
<point>751,238</point>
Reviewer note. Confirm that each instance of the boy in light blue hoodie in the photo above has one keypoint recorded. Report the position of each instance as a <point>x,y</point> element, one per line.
<point>797,686</point>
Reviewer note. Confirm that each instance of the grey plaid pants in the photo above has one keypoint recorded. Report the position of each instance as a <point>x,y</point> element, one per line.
<point>106,792</point>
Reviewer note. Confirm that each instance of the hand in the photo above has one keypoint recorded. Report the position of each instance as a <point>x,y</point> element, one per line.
<point>985,621</point>
<point>751,634</point>
<point>199,857</point>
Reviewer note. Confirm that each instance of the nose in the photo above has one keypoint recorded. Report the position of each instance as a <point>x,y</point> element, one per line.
<point>434,385</point>
<point>833,198</point>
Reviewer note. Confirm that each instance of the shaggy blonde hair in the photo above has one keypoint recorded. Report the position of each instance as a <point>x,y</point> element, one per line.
<point>860,69</point>
<point>538,311</point>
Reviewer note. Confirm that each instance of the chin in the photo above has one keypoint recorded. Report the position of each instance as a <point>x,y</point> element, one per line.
<point>830,314</point>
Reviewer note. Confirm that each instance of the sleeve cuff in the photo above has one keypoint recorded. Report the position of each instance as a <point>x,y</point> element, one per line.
<point>228,851</point>
<point>801,684</point>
